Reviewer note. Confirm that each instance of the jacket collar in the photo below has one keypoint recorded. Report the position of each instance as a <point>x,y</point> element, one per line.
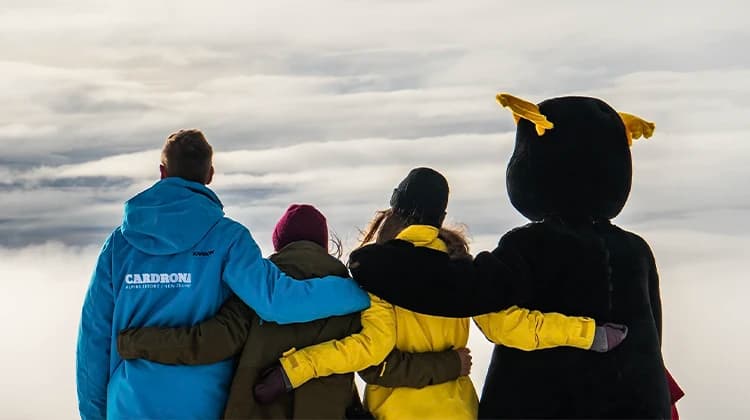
<point>423,235</point>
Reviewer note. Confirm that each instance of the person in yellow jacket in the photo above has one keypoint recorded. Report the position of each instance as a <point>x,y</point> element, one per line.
<point>416,215</point>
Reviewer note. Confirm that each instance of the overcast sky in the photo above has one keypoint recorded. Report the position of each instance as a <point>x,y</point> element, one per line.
<point>331,103</point>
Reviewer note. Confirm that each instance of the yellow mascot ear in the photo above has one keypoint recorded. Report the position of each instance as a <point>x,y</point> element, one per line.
<point>526,110</point>
<point>635,127</point>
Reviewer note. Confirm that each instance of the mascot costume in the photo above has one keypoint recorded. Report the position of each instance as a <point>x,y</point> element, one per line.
<point>570,173</point>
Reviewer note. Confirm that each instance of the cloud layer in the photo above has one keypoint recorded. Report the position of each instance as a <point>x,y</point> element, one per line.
<point>332,103</point>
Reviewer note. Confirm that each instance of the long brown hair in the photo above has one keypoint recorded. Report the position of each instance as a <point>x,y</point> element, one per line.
<point>455,237</point>
<point>373,228</point>
<point>457,241</point>
<point>335,247</point>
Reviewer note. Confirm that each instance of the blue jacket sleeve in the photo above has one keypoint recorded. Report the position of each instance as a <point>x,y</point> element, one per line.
<point>279,298</point>
<point>95,340</point>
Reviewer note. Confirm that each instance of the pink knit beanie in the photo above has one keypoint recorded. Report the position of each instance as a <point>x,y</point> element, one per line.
<point>300,222</point>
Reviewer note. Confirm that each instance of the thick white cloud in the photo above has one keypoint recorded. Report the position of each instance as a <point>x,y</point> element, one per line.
<point>43,288</point>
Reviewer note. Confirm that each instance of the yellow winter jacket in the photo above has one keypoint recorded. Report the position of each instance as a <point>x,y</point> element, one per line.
<point>384,326</point>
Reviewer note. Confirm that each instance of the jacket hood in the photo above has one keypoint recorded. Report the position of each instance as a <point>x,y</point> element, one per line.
<point>423,235</point>
<point>171,216</point>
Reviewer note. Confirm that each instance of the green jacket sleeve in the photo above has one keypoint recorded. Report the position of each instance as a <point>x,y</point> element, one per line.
<point>414,370</point>
<point>211,341</point>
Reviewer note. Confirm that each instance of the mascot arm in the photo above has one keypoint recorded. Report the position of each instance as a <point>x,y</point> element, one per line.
<point>655,294</point>
<point>429,282</point>
<point>641,247</point>
<point>414,370</point>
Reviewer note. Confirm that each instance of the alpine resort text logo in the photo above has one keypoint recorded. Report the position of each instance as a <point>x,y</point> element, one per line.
<point>157,280</point>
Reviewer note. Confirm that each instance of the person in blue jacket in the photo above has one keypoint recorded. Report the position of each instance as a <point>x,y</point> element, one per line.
<point>174,260</point>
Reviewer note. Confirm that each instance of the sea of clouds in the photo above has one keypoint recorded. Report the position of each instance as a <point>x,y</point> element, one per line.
<point>331,103</point>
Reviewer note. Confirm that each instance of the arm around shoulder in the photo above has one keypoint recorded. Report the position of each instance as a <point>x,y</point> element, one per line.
<point>350,354</point>
<point>457,287</point>
<point>211,341</point>
<point>414,370</point>
<point>525,329</point>
<point>274,296</point>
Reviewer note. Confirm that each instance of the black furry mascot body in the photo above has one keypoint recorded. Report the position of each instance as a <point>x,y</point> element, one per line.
<point>570,173</point>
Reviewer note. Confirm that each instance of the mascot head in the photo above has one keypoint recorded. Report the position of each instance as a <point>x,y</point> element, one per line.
<point>572,157</point>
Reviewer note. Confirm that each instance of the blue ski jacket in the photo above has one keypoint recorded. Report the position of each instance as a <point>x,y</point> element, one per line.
<point>174,260</point>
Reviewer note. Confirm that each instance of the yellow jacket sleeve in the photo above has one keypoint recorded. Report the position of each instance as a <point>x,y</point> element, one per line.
<point>532,330</point>
<point>350,354</point>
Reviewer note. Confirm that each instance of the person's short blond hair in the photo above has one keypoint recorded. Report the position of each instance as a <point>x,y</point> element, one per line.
<point>187,154</point>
